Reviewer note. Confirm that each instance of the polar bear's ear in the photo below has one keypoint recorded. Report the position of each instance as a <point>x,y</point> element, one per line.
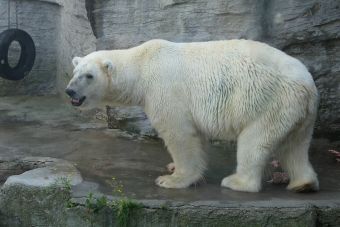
<point>109,66</point>
<point>76,60</point>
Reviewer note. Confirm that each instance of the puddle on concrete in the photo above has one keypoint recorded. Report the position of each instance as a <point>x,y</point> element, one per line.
<point>101,154</point>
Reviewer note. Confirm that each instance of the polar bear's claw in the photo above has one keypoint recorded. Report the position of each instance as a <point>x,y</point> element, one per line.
<point>173,181</point>
<point>311,186</point>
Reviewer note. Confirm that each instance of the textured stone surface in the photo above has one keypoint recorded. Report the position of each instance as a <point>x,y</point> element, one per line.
<point>39,195</point>
<point>306,29</point>
<point>22,205</point>
<point>60,30</point>
<point>43,172</point>
<point>310,31</point>
<point>46,126</point>
<point>27,206</point>
<point>120,24</point>
<point>131,119</point>
<point>75,38</point>
<point>42,78</point>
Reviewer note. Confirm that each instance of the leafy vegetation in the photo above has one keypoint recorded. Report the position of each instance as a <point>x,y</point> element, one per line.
<point>122,206</point>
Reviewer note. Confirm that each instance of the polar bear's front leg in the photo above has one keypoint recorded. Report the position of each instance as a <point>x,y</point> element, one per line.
<point>185,147</point>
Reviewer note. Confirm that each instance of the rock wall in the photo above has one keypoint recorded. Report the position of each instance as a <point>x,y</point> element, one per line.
<point>75,38</point>
<point>310,31</point>
<point>306,29</point>
<point>60,30</point>
<point>42,78</point>
<point>120,24</point>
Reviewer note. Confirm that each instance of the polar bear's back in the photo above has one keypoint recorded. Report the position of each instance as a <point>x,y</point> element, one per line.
<point>257,52</point>
<point>226,84</point>
<point>261,54</point>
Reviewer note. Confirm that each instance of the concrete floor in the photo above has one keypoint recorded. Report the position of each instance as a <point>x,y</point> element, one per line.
<point>48,126</point>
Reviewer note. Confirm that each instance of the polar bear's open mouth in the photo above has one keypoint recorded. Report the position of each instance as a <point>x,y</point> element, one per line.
<point>78,102</point>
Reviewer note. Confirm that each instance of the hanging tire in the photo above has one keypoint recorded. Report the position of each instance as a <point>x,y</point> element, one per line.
<point>27,55</point>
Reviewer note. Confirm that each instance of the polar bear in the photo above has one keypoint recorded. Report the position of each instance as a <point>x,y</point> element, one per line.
<point>230,90</point>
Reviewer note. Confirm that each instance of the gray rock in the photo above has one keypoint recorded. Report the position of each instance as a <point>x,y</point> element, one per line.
<point>38,196</point>
<point>75,38</point>
<point>131,119</point>
<point>37,171</point>
<point>22,205</point>
<point>45,172</point>
<point>60,30</point>
<point>308,30</point>
<point>128,23</point>
<point>42,79</point>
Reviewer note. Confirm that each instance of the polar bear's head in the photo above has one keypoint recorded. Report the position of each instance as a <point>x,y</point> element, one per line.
<point>90,82</point>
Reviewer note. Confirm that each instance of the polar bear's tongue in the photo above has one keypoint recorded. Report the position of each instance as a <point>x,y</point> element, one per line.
<point>75,101</point>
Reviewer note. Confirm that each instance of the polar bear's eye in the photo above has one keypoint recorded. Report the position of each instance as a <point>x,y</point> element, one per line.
<point>89,76</point>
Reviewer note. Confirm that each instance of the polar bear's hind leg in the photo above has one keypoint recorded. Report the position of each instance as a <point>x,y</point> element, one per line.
<point>293,156</point>
<point>256,143</point>
<point>253,152</point>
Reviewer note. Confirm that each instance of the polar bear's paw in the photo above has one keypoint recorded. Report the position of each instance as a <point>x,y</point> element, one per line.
<point>175,181</point>
<point>170,167</point>
<point>304,186</point>
<point>240,183</point>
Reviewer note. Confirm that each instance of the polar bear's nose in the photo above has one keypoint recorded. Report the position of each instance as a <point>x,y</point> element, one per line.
<point>70,92</point>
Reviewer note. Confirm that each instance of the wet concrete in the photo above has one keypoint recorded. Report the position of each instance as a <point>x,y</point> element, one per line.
<point>50,127</point>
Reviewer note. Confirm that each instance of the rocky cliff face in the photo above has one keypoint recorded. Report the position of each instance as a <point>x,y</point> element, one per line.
<point>44,36</point>
<point>306,29</point>
<point>310,31</point>
<point>60,30</point>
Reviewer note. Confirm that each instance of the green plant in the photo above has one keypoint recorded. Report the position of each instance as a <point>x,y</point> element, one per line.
<point>117,188</point>
<point>71,204</point>
<point>123,206</point>
<point>64,183</point>
<point>165,206</point>
<point>96,204</point>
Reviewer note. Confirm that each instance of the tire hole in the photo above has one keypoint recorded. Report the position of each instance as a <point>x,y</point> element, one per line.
<point>14,52</point>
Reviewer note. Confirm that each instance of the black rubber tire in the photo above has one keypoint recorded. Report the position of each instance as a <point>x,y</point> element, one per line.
<point>27,55</point>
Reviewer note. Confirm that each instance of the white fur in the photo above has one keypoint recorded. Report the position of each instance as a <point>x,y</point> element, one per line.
<point>237,90</point>
<point>75,61</point>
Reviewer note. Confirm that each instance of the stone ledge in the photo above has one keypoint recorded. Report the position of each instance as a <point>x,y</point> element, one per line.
<point>26,205</point>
